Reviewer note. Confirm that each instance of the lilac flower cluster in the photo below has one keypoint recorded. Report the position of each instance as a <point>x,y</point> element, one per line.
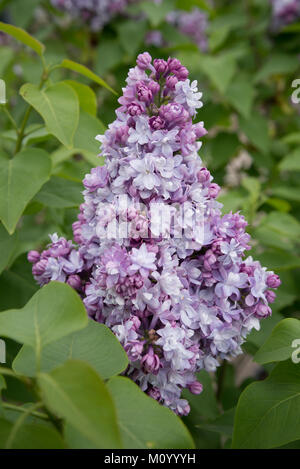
<point>96,13</point>
<point>177,303</point>
<point>285,12</point>
<point>193,24</point>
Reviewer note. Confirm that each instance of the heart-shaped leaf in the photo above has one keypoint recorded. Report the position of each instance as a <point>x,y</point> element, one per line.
<point>59,107</point>
<point>267,414</point>
<point>95,344</point>
<point>29,436</point>
<point>76,393</point>
<point>20,179</point>
<point>55,311</point>
<point>279,346</point>
<point>143,422</point>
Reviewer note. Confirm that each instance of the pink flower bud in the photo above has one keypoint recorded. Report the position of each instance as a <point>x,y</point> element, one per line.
<point>144,60</point>
<point>33,256</point>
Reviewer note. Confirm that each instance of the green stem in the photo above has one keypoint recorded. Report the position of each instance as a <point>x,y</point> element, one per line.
<point>8,372</point>
<point>28,112</point>
<point>17,408</point>
<point>20,422</point>
<point>10,117</point>
<point>22,130</point>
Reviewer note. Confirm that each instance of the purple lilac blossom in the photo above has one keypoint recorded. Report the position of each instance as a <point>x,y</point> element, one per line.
<point>96,13</point>
<point>192,23</point>
<point>285,12</point>
<point>177,304</point>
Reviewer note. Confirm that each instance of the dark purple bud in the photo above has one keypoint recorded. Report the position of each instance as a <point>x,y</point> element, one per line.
<point>40,267</point>
<point>195,387</point>
<point>171,82</point>
<point>134,350</point>
<point>173,64</point>
<point>76,226</point>
<point>199,130</point>
<point>263,310</point>
<point>136,322</point>
<point>33,256</point>
<point>174,113</point>
<point>214,190</point>
<point>270,296</point>
<point>144,94</point>
<point>156,123</point>
<point>203,175</point>
<point>144,60</point>
<point>160,66</point>
<point>134,109</point>
<point>154,393</point>
<point>150,362</point>
<point>153,87</point>
<point>273,281</point>
<point>75,282</point>
<point>182,73</point>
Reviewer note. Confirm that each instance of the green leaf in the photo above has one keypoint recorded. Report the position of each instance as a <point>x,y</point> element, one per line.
<point>220,69</point>
<point>223,424</point>
<point>86,96</point>
<point>7,247</point>
<point>267,412</point>
<point>60,193</point>
<point>85,142</point>
<point>59,107</point>
<point>83,70</point>
<point>143,422</point>
<point>223,147</point>
<point>156,12</point>
<point>257,338</point>
<point>76,393</point>
<point>95,344</point>
<point>282,224</point>
<point>24,37</point>
<point>131,35</point>
<point>2,386</point>
<point>291,162</point>
<point>20,179</point>
<point>203,405</point>
<point>279,260</point>
<point>6,55</point>
<point>289,193</point>
<point>240,94</point>
<point>55,311</point>
<point>109,54</point>
<point>256,129</point>
<point>279,346</point>
<point>277,64</point>
<point>29,436</point>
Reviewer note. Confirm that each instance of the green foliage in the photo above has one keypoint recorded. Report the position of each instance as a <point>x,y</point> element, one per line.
<point>143,422</point>
<point>20,179</point>
<point>266,415</point>
<point>84,345</point>
<point>59,107</point>
<point>76,392</point>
